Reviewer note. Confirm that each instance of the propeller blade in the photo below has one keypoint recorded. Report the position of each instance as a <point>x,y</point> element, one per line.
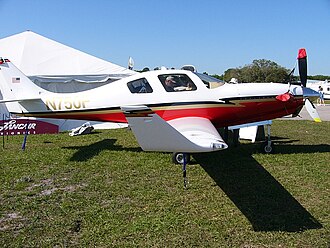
<point>312,110</point>
<point>302,64</point>
<point>310,93</point>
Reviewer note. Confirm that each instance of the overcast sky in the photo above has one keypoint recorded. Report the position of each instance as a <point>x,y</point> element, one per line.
<point>213,35</point>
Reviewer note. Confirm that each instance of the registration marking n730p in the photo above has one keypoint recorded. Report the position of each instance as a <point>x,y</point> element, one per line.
<point>65,103</point>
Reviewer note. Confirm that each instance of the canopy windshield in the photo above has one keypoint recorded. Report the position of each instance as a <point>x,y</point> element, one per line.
<point>210,82</point>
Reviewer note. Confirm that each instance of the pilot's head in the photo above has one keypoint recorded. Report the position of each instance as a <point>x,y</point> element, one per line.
<point>169,81</point>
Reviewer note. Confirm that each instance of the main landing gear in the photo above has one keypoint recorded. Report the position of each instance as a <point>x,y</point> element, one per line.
<point>183,159</point>
<point>266,146</point>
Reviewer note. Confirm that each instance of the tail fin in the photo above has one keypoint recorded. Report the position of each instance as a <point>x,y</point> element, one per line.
<point>16,87</point>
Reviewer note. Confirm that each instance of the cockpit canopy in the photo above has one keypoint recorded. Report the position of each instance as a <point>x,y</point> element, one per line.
<point>177,82</point>
<point>210,82</point>
<point>174,81</point>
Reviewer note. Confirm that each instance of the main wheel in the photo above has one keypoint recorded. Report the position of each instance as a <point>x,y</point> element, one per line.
<point>267,148</point>
<point>179,158</point>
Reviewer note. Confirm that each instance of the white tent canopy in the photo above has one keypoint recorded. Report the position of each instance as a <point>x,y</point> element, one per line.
<point>46,61</point>
<point>58,68</point>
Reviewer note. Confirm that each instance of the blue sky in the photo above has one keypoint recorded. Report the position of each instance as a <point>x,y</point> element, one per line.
<point>213,35</point>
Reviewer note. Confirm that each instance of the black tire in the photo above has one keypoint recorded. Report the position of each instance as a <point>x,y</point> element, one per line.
<point>179,157</point>
<point>266,149</point>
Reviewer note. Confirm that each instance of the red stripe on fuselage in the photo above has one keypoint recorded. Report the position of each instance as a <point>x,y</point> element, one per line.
<point>247,112</point>
<point>221,115</point>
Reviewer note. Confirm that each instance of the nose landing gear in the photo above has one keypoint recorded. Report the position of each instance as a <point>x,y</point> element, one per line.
<point>180,157</point>
<point>183,159</point>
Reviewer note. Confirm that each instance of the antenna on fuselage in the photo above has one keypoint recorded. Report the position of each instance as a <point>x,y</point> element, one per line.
<point>130,63</point>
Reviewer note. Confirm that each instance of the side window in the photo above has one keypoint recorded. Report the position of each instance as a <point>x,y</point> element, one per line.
<point>139,86</point>
<point>177,82</point>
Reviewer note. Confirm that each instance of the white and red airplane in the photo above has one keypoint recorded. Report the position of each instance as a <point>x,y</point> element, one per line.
<point>175,111</point>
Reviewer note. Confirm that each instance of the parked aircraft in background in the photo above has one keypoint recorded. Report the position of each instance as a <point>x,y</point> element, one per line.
<point>316,85</point>
<point>175,111</point>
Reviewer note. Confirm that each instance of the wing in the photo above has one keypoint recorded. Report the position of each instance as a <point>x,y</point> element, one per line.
<point>188,134</point>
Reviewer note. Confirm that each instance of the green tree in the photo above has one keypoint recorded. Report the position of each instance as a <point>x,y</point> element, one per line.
<point>218,76</point>
<point>319,77</point>
<point>261,70</point>
<point>232,73</point>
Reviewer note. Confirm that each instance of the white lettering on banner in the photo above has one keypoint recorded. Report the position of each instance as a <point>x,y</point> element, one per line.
<point>15,133</point>
<point>12,125</point>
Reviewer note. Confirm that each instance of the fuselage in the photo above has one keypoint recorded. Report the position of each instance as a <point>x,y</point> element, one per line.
<point>192,96</point>
<point>325,85</point>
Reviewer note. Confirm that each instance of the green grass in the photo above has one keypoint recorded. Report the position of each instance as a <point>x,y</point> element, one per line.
<point>102,190</point>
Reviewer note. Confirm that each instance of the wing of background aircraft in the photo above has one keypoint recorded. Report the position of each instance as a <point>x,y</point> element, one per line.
<point>187,135</point>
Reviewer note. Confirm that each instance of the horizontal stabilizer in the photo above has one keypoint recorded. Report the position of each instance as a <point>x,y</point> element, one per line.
<point>19,100</point>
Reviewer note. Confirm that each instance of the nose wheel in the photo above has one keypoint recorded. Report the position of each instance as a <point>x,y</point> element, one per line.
<point>183,159</point>
<point>180,157</point>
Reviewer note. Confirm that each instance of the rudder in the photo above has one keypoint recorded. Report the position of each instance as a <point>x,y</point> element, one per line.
<point>15,86</point>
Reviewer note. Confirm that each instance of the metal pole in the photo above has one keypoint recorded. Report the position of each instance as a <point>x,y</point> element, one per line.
<point>25,135</point>
<point>3,134</point>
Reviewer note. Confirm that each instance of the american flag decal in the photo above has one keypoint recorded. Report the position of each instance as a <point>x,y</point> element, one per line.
<point>16,80</point>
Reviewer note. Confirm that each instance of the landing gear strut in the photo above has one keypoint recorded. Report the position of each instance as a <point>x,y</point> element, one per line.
<point>267,145</point>
<point>184,159</point>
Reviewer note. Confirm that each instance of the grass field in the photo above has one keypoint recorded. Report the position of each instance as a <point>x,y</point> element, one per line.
<point>102,190</point>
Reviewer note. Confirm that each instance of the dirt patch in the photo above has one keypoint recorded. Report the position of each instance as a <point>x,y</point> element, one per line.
<point>11,221</point>
<point>48,187</point>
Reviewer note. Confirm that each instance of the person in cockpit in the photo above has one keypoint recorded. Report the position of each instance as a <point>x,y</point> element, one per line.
<point>169,83</point>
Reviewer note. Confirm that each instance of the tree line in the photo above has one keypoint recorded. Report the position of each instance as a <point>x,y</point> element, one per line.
<point>262,70</point>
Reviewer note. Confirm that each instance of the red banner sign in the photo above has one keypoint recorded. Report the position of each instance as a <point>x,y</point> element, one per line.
<point>21,126</point>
